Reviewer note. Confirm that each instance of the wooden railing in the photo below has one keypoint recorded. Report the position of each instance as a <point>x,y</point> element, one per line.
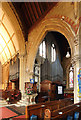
<point>38,109</point>
<point>63,113</point>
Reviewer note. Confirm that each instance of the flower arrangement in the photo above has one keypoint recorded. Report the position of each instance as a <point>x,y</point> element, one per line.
<point>29,90</point>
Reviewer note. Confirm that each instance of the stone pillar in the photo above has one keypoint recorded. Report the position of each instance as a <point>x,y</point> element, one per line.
<point>39,80</point>
<point>22,74</point>
<point>76,62</point>
<point>67,78</point>
<point>0,75</point>
<point>29,74</point>
<point>76,66</point>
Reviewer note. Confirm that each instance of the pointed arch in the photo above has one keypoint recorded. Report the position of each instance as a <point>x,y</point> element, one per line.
<point>40,31</point>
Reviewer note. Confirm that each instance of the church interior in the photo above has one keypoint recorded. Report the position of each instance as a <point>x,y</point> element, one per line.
<point>40,60</point>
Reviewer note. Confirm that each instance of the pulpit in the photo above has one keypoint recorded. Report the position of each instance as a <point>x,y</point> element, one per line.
<point>50,91</point>
<point>49,88</point>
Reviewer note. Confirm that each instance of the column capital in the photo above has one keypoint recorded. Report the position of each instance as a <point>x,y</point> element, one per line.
<point>75,59</point>
<point>21,55</point>
<point>76,40</point>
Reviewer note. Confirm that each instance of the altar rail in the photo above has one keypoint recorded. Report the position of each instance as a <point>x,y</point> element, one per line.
<point>38,109</point>
<point>64,113</point>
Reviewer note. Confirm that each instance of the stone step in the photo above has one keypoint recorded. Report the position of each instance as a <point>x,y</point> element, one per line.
<point>3,101</point>
<point>18,103</point>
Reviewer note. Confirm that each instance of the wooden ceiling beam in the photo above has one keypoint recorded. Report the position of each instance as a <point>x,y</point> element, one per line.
<point>38,8</point>
<point>26,14</point>
<point>34,9</point>
<point>31,11</point>
<point>27,10</point>
<point>47,4</point>
<point>42,10</point>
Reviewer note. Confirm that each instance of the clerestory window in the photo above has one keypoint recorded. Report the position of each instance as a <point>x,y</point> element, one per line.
<point>42,49</point>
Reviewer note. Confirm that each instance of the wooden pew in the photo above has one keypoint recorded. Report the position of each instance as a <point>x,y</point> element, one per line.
<point>38,109</point>
<point>62,113</point>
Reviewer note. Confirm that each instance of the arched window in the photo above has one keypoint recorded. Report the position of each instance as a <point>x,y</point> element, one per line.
<point>71,74</point>
<point>53,53</point>
<point>42,49</point>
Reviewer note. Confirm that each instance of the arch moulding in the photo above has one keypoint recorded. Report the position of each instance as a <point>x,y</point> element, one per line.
<point>39,32</point>
<point>13,18</point>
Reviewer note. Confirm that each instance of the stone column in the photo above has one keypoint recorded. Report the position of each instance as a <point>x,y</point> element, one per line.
<point>76,62</point>
<point>0,75</point>
<point>39,80</point>
<point>22,74</point>
<point>67,78</point>
<point>29,75</point>
<point>76,66</point>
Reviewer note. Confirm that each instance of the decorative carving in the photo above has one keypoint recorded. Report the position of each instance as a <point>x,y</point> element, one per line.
<point>75,26</point>
<point>76,40</point>
<point>75,59</point>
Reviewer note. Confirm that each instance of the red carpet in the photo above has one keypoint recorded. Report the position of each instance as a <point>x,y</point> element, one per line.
<point>19,117</point>
<point>6,113</point>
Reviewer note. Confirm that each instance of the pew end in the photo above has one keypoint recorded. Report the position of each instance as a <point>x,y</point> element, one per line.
<point>47,114</point>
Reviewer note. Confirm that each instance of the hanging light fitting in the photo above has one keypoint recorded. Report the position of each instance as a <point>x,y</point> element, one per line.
<point>68,54</point>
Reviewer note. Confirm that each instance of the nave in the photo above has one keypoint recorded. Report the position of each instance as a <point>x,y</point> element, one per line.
<point>40,60</point>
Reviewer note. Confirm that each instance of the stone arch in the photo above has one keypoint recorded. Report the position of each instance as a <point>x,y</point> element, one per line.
<point>39,32</point>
